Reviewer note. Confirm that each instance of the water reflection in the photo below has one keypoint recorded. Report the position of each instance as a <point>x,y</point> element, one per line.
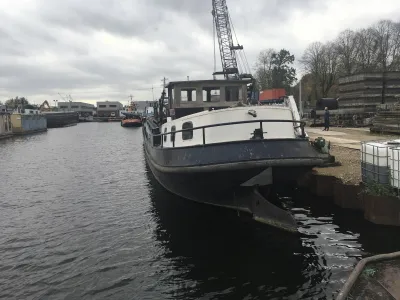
<point>83,218</point>
<point>217,255</point>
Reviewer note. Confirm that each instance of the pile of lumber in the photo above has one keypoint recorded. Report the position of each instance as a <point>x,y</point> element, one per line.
<point>387,120</point>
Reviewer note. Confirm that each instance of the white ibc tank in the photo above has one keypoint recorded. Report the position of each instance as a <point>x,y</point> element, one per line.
<point>375,153</point>
<point>375,160</point>
<point>394,166</point>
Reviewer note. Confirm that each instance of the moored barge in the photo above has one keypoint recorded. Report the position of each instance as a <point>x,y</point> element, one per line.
<point>218,150</point>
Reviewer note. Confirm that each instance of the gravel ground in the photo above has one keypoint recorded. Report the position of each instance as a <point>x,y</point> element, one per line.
<point>350,169</point>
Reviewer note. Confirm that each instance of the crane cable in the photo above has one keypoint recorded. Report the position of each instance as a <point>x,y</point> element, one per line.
<point>245,62</point>
<point>215,55</point>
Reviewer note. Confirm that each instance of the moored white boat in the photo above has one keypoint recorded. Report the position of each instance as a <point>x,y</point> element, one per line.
<point>218,150</point>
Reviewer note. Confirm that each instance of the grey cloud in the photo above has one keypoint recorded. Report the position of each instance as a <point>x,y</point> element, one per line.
<point>36,78</point>
<point>253,12</point>
<point>124,18</point>
<point>9,45</point>
<point>65,29</point>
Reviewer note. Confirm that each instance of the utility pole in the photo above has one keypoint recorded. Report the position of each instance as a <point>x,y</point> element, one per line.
<point>164,80</point>
<point>300,100</point>
<point>161,102</point>
<point>69,101</point>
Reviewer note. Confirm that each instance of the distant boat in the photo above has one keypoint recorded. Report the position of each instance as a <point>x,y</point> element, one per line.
<point>131,119</point>
<point>58,118</point>
<point>85,117</point>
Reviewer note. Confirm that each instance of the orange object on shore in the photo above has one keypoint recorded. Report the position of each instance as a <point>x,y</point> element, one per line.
<point>272,94</point>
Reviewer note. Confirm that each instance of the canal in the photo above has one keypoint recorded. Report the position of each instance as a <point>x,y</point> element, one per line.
<point>81,217</point>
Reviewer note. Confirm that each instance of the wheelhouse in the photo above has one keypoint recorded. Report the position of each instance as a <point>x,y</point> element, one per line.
<point>189,97</point>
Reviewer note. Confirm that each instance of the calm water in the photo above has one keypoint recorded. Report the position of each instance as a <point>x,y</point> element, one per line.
<point>81,217</point>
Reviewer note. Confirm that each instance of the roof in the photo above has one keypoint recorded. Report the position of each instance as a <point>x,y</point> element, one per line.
<point>108,102</point>
<point>75,102</point>
<point>207,81</point>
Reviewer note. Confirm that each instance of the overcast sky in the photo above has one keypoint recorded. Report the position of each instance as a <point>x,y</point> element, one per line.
<point>108,49</point>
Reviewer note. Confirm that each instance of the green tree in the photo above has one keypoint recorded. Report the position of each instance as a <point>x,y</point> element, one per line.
<point>283,74</point>
<point>15,102</point>
<point>274,69</point>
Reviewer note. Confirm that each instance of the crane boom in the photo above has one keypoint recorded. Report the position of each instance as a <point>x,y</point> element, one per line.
<point>222,25</point>
<point>226,47</point>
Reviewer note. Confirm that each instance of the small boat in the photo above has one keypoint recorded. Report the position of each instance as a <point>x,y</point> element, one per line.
<point>213,147</point>
<point>85,117</point>
<point>131,119</point>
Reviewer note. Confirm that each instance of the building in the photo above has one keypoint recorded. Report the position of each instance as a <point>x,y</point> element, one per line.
<point>365,89</point>
<point>80,107</point>
<point>28,111</point>
<point>141,105</point>
<point>107,108</point>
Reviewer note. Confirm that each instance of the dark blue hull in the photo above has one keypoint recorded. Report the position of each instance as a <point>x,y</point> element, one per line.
<point>213,173</point>
<point>61,119</point>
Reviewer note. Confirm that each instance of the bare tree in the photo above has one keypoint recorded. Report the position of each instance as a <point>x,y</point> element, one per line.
<point>346,45</point>
<point>387,41</point>
<point>312,64</point>
<point>375,49</point>
<point>322,61</point>
<point>386,44</point>
<point>329,68</point>
<point>396,42</point>
<point>366,51</point>
<point>263,68</point>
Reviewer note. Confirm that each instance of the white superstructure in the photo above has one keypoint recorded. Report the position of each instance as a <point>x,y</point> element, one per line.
<point>229,133</point>
<point>228,107</point>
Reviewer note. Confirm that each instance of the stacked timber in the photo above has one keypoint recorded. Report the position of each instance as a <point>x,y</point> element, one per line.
<point>365,89</point>
<point>387,119</point>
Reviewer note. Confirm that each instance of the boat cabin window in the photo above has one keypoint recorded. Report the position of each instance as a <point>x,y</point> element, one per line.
<point>173,129</point>
<point>187,134</point>
<point>188,94</point>
<point>184,96</point>
<point>165,136</point>
<point>211,94</point>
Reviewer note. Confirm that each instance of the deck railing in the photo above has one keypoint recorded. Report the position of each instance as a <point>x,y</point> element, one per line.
<point>202,128</point>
